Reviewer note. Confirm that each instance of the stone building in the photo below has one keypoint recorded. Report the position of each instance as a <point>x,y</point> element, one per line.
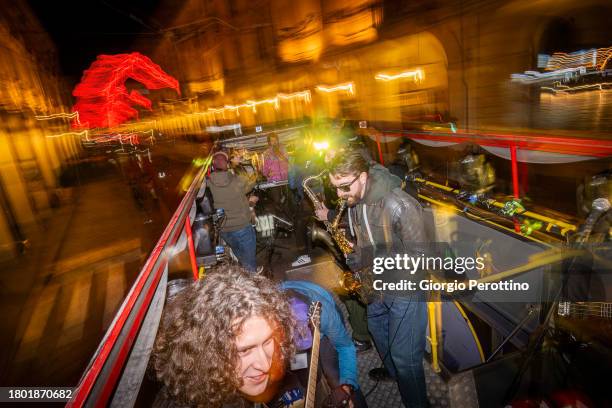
<point>30,159</point>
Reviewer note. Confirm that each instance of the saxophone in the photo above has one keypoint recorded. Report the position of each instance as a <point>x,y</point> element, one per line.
<point>332,227</point>
<point>351,282</point>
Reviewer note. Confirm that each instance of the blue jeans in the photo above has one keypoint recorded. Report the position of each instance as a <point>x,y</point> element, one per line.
<point>398,326</point>
<point>244,245</point>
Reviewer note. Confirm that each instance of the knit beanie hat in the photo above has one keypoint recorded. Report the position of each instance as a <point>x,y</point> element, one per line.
<point>219,160</point>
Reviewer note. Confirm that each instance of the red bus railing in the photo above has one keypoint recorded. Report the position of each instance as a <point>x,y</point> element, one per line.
<point>102,375</point>
<point>595,148</point>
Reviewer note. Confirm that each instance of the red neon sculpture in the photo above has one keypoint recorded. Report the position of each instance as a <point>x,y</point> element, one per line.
<point>102,98</point>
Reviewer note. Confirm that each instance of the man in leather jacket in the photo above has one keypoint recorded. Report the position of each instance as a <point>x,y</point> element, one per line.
<point>356,309</point>
<point>386,221</point>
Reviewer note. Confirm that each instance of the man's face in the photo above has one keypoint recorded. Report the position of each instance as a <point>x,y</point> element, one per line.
<point>273,141</point>
<point>349,187</point>
<point>257,352</point>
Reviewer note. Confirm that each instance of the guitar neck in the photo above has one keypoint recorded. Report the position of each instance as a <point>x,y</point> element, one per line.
<point>314,366</point>
<point>586,309</point>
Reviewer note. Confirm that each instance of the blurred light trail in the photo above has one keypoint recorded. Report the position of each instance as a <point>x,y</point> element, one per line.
<point>252,104</point>
<point>305,95</point>
<point>217,129</point>
<point>83,133</point>
<point>262,101</point>
<point>592,58</point>
<point>566,74</point>
<point>559,88</point>
<point>102,98</point>
<point>416,75</point>
<point>73,115</point>
<point>348,87</point>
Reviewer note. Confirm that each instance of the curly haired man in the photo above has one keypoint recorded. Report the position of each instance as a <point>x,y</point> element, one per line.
<point>229,336</point>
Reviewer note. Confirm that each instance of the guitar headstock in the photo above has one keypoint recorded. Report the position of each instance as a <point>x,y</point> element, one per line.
<point>314,314</point>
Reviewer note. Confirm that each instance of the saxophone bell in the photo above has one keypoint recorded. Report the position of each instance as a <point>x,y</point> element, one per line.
<point>319,234</point>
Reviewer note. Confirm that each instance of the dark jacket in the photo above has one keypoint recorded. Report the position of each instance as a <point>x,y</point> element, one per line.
<point>386,222</point>
<point>229,192</point>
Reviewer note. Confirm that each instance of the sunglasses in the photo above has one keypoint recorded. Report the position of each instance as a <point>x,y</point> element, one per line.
<point>345,188</point>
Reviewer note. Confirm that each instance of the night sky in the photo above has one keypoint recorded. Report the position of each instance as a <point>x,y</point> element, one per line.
<point>83,29</point>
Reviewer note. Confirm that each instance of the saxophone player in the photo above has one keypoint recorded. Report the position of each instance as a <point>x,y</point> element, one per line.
<point>356,309</point>
<point>386,220</point>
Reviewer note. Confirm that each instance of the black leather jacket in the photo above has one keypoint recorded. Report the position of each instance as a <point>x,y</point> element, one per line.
<point>386,222</point>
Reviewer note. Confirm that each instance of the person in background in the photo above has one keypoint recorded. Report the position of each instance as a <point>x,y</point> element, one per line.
<point>353,139</point>
<point>237,167</point>
<point>301,165</point>
<point>276,162</point>
<point>235,164</point>
<point>276,169</point>
<point>406,161</point>
<point>406,167</point>
<point>229,192</point>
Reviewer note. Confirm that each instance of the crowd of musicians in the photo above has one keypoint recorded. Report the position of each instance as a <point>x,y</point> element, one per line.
<point>238,338</point>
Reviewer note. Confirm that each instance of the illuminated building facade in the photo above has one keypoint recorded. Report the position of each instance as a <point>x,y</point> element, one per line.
<point>407,61</point>
<point>30,160</point>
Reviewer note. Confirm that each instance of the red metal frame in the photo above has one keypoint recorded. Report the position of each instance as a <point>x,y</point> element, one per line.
<point>515,182</point>
<point>515,174</point>
<point>110,383</point>
<point>596,148</point>
<point>545,143</point>
<point>192,254</point>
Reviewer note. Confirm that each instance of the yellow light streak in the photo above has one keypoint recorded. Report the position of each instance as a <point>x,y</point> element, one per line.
<point>416,75</point>
<point>348,87</point>
<point>235,107</point>
<point>305,95</point>
<point>262,101</point>
<point>58,115</point>
<point>85,132</point>
<point>252,104</point>
<point>559,88</point>
<point>62,115</point>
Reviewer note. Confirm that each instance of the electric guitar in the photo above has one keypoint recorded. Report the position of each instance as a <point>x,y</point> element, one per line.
<point>315,322</point>
<point>294,397</point>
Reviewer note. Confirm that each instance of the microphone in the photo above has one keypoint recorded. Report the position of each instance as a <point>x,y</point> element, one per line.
<point>600,206</point>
